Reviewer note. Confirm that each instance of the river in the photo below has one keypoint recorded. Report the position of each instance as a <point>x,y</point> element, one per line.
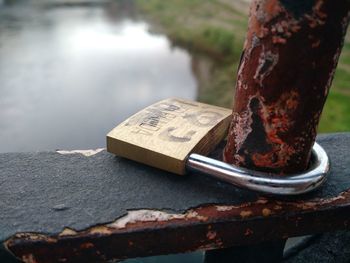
<point>70,72</point>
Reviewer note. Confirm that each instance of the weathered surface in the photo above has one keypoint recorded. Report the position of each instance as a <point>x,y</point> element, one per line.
<point>208,227</point>
<point>72,207</point>
<point>286,70</point>
<point>326,248</point>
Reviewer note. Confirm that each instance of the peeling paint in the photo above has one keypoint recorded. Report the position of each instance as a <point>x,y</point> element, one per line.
<point>282,68</point>
<point>267,62</point>
<point>224,208</point>
<point>68,232</point>
<point>204,227</point>
<point>262,201</point>
<point>86,153</point>
<point>242,128</point>
<point>147,216</point>
<point>101,229</point>
<point>246,213</point>
<point>276,120</point>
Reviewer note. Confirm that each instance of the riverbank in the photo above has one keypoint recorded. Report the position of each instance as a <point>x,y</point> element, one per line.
<point>56,53</point>
<point>216,29</point>
<point>213,31</point>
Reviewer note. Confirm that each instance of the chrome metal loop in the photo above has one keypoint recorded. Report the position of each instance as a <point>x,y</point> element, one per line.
<point>266,182</point>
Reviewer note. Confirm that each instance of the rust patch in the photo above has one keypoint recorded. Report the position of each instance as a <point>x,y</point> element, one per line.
<point>205,227</point>
<point>288,65</point>
<point>266,212</point>
<point>276,120</point>
<point>248,232</point>
<point>86,245</point>
<point>279,40</point>
<point>245,213</point>
<point>211,235</point>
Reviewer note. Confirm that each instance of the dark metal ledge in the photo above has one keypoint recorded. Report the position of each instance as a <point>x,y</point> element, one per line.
<point>65,208</point>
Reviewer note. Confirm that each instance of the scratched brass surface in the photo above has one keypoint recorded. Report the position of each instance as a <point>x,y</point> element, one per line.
<point>165,133</point>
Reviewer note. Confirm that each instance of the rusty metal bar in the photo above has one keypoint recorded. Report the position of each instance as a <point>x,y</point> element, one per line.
<point>236,218</point>
<point>203,228</point>
<point>286,70</point>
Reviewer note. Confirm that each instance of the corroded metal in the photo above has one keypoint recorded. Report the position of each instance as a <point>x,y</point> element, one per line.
<point>74,207</point>
<point>149,232</point>
<point>286,70</point>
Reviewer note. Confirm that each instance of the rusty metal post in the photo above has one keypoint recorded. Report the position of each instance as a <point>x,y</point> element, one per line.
<point>287,67</point>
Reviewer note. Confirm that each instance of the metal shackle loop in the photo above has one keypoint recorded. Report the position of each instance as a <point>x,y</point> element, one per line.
<point>262,182</point>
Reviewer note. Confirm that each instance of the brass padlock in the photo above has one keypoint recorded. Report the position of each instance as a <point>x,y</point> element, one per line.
<point>165,133</point>
<point>175,134</point>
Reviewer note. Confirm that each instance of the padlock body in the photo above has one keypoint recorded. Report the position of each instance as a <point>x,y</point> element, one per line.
<point>165,133</point>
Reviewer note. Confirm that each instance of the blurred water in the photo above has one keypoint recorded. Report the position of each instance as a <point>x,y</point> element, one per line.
<point>70,73</point>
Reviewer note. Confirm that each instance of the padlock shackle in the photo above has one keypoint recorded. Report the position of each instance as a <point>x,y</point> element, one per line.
<point>267,183</point>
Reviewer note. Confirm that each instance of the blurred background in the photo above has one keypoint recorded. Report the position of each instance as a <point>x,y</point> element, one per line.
<point>71,70</point>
